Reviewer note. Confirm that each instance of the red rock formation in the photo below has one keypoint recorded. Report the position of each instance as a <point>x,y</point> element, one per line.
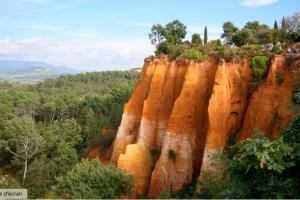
<point>268,109</point>
<point>128,130</point>
<point>186,131</point>
<point>226,109</point>
<point>185,111</point>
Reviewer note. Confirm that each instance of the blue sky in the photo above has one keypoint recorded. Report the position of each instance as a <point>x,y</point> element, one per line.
<point>113,34</point>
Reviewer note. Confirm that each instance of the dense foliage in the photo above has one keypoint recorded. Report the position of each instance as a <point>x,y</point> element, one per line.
<point>259,38</point>
<point>91,180</point>
<point>259,68</point>
<point>45,128</point>
<point>257,168</point>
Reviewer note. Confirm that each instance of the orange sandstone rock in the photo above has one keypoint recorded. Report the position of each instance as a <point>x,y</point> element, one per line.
<point>186,131</point>
<point>129,127</point>
<point>185,111</point>
<point>226,109</point>
<point>268,109</point>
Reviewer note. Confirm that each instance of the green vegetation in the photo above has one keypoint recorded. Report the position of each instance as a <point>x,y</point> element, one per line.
<point>296,88</point>
<point>253,39</point>
<point>255,168</point>
<point>92,180</point>
<point>259,68</point>
<point>192,54</point>
<point>205,35</point>
<point>48,127</point>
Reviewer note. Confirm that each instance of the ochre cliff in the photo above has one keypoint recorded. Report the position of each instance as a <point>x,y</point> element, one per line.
<point>182,112</point>
<point>269,107</point>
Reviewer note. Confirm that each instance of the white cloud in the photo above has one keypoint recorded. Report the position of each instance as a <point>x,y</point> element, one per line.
<point>257,3</point>
<point>94,55</point>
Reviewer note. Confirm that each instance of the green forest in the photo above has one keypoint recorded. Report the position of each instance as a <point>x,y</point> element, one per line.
<point>45,129</point>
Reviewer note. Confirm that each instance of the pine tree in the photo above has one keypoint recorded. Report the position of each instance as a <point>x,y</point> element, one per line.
<point>275,25</point>
<point>205,35</point>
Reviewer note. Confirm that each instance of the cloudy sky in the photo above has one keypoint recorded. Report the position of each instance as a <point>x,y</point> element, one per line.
<point>97,35</point>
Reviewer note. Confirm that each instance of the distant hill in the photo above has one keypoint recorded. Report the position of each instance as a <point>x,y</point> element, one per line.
<point>30,71</point>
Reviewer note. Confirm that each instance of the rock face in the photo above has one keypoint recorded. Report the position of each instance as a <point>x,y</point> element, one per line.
<point>268,110</point>
<point>226,108</point>
<point>181,113</point>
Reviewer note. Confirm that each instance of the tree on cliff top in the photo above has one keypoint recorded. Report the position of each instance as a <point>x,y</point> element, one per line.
<point>229,29</point>
<point>196,40</point>
<point>205,35</point>
<point>173,32</point>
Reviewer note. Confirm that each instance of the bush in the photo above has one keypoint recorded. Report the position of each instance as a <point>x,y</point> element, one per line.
<point>162,48</point>
<point>172,50</point>
<point>252,50</point>
<point>277,50</point>
<point>8,182</point>
<point>262,166</point>
<point>192,54</point>
<point>259,68</point>
<point>296,88</point>
<point>291,136</point>
<point>229,53</point>
<point>91,180</point>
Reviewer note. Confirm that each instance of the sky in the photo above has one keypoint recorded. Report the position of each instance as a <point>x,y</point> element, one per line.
<point>98,35</point>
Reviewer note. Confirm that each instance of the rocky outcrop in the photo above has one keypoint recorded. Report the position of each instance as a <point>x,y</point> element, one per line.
<point>268,111</point>
<point>226,108</point>
<point>181,113</point>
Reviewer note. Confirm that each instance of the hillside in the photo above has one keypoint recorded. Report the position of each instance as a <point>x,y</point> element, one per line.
<point>30,71</point>
<point>65,114</point>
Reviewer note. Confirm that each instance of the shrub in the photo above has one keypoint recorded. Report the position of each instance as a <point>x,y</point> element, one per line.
<point>192,54</point>
<point>277,50</point>
<point>175,51</point>
<point>259,68</point>
<point>162,48</point>
<point>7,182</point>
<point>290,59</point>
<point>296,88</point>
<point>252,50</point>
<point>229,53</point>
<point>291,136</point>
<point>172,50</point>
<point>91,180</point>
<point>172,155</point>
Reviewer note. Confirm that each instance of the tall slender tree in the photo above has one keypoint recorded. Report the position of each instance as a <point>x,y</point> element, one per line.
<point>275,25</point>
<point>283,30</point>
<point>205,35</point>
